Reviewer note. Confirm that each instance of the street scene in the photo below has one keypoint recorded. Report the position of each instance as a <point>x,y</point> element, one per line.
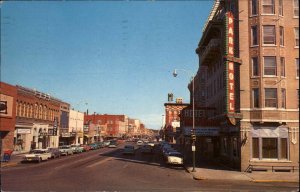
<point>149,95</point>
<point>110,169</point>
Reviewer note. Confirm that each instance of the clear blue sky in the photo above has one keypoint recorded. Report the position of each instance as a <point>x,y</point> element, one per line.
<point>118,57</point>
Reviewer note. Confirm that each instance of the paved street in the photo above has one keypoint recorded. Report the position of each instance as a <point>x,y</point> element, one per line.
<point>107,169</point>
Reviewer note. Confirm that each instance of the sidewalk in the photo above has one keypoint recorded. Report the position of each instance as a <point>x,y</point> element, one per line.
<point>15,159</point>
<point>215,174</point>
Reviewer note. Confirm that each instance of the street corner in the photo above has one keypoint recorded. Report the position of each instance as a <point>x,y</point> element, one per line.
<point>195,174</point>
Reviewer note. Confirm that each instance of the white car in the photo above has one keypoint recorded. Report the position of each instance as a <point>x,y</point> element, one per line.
<point>66,150</point>
<point>174,158</point>
<point>37,155</point>
<point>139,143</point>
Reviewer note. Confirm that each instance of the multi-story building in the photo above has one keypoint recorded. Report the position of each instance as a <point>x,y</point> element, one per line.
<point>249,56</point>
<point>116,125</point>
<point>8,94</point>
<point>172,119</point>
<point>37,115</point>
<point>76,126</point>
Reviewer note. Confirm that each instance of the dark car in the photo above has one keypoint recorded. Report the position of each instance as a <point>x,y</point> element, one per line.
<point>55,153</point>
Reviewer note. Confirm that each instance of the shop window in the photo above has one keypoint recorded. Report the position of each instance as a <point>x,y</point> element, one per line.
<point>271,97</point>
<point>269,35</point>
<point>268,7</point>
<point>283,148</point>
<point>270,66</point>
<point>269,148</point>
<point>255,148</point>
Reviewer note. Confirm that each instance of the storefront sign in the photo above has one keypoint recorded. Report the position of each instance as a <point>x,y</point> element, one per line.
<point>65,134</point>
<point>23,131</point>
<point>55,126</point>
<point>230,64</point>
<point>203,131</point>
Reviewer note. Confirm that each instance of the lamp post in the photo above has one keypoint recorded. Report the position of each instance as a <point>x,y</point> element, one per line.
<point>193,136</point>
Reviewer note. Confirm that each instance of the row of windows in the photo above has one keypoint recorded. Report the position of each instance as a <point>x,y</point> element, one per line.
<point>268,7</point>
<point>37,111</point>
<point>270,66</point>
<point>271,98</point>
<point>269,35</point>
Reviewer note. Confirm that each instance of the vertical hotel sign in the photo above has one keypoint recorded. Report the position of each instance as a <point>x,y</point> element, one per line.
<point>230,63</point>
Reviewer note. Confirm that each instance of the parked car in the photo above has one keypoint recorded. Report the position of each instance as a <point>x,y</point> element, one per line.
<point>66,150</point>
<point>113,144</point>
<point>146,149</point>
<point>129,149</point>
<point>86,147</point>
<point>140,143</point>
<point>77,148</point>
<point>174,158</point>
<point>101,144</point>
<point>37,155</point>
<point>55,153</point>
<point>106,143</point>
<point>94,146</point>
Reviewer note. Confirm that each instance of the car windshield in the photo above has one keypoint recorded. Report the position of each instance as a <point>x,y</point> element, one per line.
<point>176,155</point>
<point>38,151</point>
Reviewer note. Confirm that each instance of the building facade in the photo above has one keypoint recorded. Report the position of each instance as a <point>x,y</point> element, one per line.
<point>249,56</point>
<point>36,114</point>
<point>8,94</point>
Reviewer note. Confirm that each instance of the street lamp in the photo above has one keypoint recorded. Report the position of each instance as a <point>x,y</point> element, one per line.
<point>193,100</point>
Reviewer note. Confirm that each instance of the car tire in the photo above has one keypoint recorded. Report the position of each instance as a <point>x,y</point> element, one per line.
<point>40,160</point>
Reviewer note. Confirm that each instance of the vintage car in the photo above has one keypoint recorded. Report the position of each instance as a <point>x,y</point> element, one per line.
<point>174,158</point>
<point>77,148</point>
<point>66,150</point>
<point>128,150</point>
<point>37,155</point>
<point>55,153</point>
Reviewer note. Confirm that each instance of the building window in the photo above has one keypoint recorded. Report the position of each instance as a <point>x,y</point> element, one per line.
<point>270,67</point>
<point>271,97</point>
<point>268,7</point>
<point>281,33</point>
<point>270,148</point>
<point>255,66</point>
<point>296,32</point>
<point>283,148</point>
<point>254,7</point>
<point>255,148</point>
<point>269,35</point>
<point>296,8</point>
<point>283,98</point>
<point>297,67</point>
<point>282,66</point>
<point>280,8</point>
<point>254,36</point>
<point>255,94</point>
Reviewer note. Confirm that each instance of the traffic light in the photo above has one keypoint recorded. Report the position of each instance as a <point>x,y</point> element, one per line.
<point>193,136</point>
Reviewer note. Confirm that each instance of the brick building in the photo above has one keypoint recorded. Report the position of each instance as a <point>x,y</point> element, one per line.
<point>249,58</point>
<point>35,117</point>
<point>116,125</point>
<point>8,94</point>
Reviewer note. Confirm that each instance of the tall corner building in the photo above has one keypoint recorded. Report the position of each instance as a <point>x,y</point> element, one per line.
<point>249,63</point>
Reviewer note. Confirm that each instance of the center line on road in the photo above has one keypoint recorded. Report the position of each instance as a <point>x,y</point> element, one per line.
<point>100,162</point>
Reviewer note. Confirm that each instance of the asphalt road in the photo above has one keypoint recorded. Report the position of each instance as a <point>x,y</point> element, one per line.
<point>109,170</point>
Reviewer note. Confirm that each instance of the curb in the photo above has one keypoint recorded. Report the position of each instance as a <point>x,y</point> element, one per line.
<point>273,181</point>
<point>194,177</point>
<point>8,164</point>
